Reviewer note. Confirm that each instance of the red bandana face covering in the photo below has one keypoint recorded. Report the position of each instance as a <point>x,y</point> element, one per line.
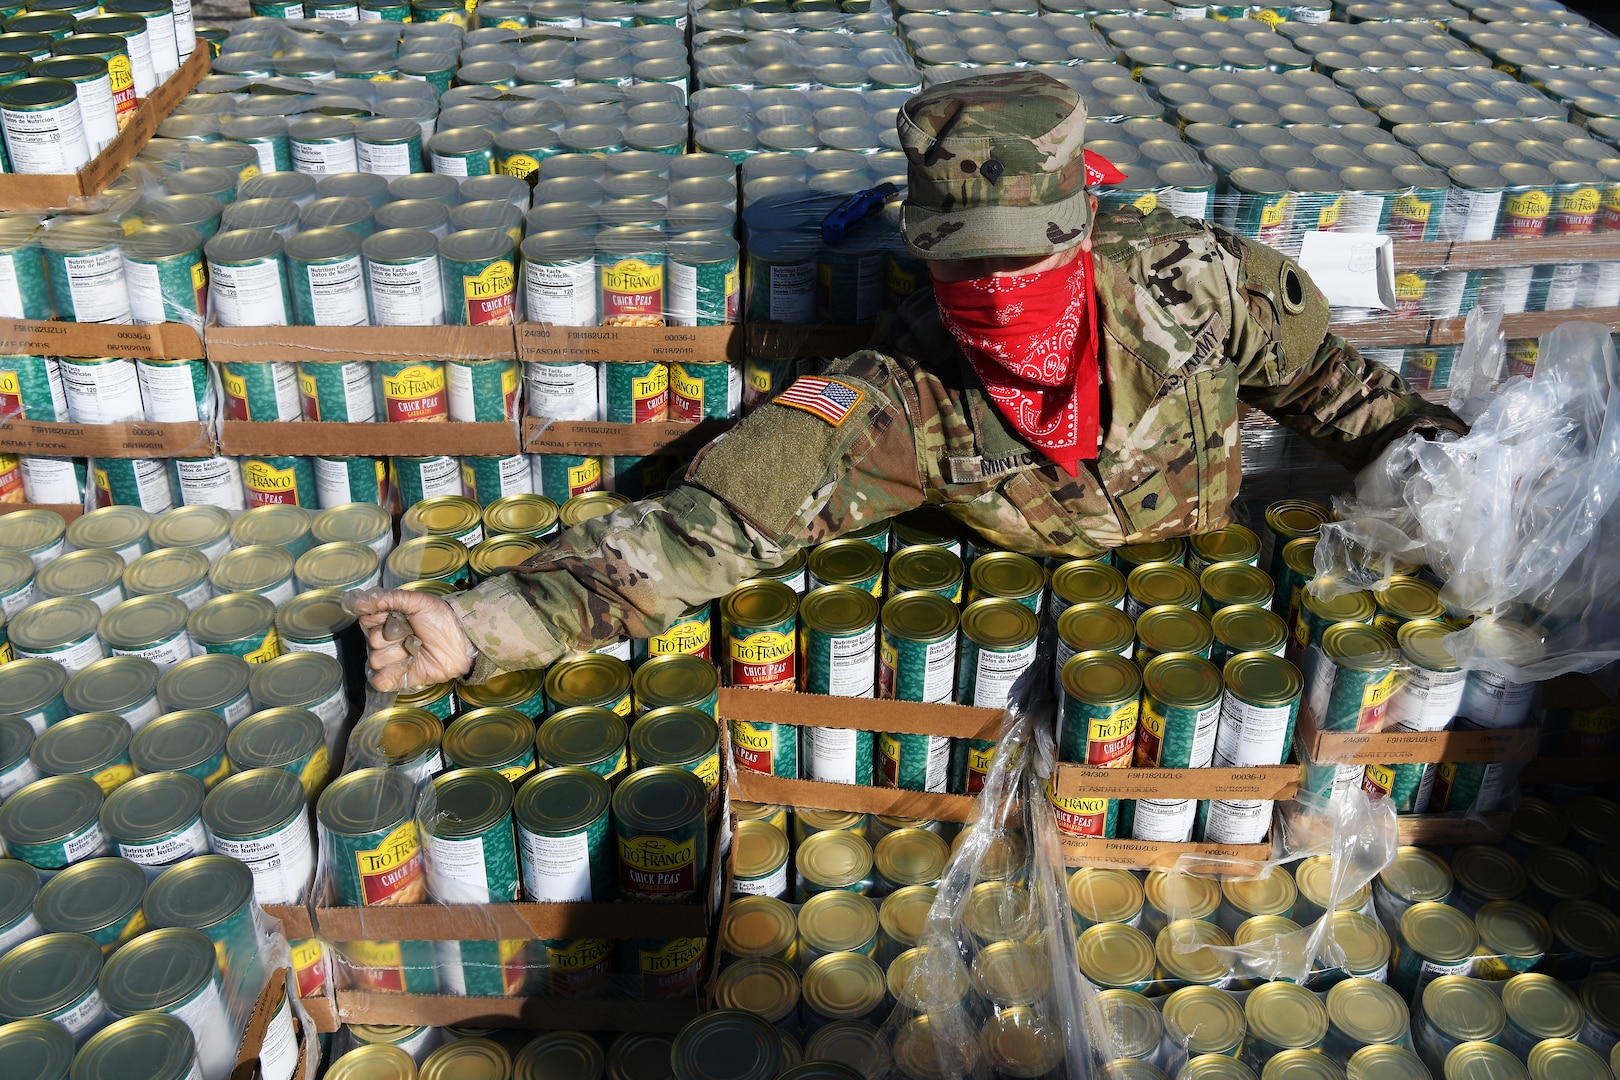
<point>1031,339</point>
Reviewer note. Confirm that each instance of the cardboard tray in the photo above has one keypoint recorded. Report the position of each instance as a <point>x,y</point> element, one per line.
<point>308,438</point>
<point>131,439</point>
<point>34,337</point>
<point>247,1051</point>
<point>1445,830</point>
<point>22,191</point>
<point>545,1014</point>
<point>69,511</point>
<point>542,342</point>
<point>333,344</point>
<point>1412,747</point>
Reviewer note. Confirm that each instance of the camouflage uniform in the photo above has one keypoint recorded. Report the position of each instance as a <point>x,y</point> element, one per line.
<point>1193,320</point>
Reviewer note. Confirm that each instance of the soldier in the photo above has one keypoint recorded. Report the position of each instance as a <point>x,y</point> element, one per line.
<point>1066,386</point>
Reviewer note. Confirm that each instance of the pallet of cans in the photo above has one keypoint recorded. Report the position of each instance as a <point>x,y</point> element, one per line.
<point>442,1051</point>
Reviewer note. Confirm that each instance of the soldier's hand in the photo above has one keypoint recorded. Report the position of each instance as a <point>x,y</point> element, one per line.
<point>414,639</point>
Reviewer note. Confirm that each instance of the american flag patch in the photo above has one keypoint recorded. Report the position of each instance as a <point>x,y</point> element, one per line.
<point>827,398</point>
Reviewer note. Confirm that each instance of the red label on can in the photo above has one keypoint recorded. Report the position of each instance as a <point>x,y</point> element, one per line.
<point>656,867</point>
<point>11,479</point>
<point>650,395</point>
<point>1575,213</point>
<point>1378,781</point>
<point>490,295</point>
<point>685,395</point>
<point>10,394</point>
<point>1079,817</point>
<point>392,872</point>
<point>753,746</point>
<point>576,967</point>
<point>1409,217</point>
<point>416,393</point>
<point>633,293</point>
<point>265,484</point>
<point>690,636</point>
<point>764,660</point>
<point>1524,215</point>
<point>674,970</point>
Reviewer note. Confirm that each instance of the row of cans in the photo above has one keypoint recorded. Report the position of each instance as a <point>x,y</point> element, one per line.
<point>393,1052</point>
<point>835,119</point>
<point>1195,44</point>
<point>1405,44</point>
<point>566,14</point>
<point>73,75</point>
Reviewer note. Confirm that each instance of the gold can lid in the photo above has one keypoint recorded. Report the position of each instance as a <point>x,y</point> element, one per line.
<point>443,515</point>
<point>313,616</point>
<point>845,561</point>
<point>1368,1011</point>
<point>503,691</point>
<point>157,970</point>
<point>384,1034</point>
<point>837,921</point>
<point>373,1061</point>
<point>1488,872</point>
<point>336,565</point>
<point>16,568</point>
<point>811,821</point>
<point>526,515</point>
<point>1296,517</point>
<point>1301,1065</point>
<point>1483,1061</point>
<point>274,524</point>
<point>843,986</point>
<point>1560,873</point>
<point>1019,1043</point>
<point>31,530</point>
<point>275,738</point>
<point>1438,932</point>
<point>1182,896</point>
<point>1261,927</point>
<point>395,736</point>
<point>1132,1022</point>
<point>839,609</point>
<point>996,911</point>
<point>911,857</point>
<point>1409,598</point>
<point>1463,1009</point>
<point>1314,878</point>
<point>190,527</point>
<point>38,1048</point>
<point>254,569</point>
<point>471,1059</point>
<point>202,892</point>
<point>1509,928</point>
<point>232,617</point>
<point>81,744</point>
<point>1160,551</point>
<point>675,679</point>
<point>931,525</point>
<point>1115,955</point>
<point>924,1050</point>
<point>433,557</point>
<point>759,926</point>
<point>81,573</point>
<point>1286,1015</point>
<point>1249,628</point>
<point>1595,820</point>
<point>1364,943</point>
<point>673,735</point>
<point>903,913</point>
<point>166,570</point>
<point>1300,556</point>
<point>357,803</point>
<point>1261,678</point>
<point>560,802</point>
<point>1087,581</point>
<point>1233,543</point>
<point>1132,1069</point>
<point>592,504</point>
<point>1156,583</point>
<point>1351,607</point>
<point>177,740</point>
<point>659,799</point>
<point>762,985</point>
<point>789,568</point>
<point>424,696</point>
<point>1006,574</point>
<point>112,685</point>
<point>1587,927</point>
<point>726,1042</point>
<point>1099,627</point>
<point>1182,681</point>
<point>502,552</point>
<point>1416,874</point>
<point>1208,1020</point>
<point>834,859</point>
<point>298,678</point>
<point>1600,997</point>
<point>1271,893</point>
<point>589,679</point>
<point>47,974</point>
<point>1232,583</point>
<point>925,978</point>
<point>353,523</point>
<point>470,802</point>
<point>110,527</point>
<point>487,738</point>
<point>1565,1059</point>
<point>149,1044</point>
<point>584,735</point>
<point>1386,1062</point>
<point>49,810</point>
<point>1101,894</point>
<point>759,604</point>
<point>853,1043</point>
<point>1202,964</point>
<point>152,807</point>
<point>90,896</point>
<point>761,850</point>
<point>204,681</point>
<point>142,622</point>
<point>1171,629</point>
<point>920,616</point>
<point>636,1055</point>
<point>1542,1006</point>
<point>50,624</point>
<point>254,803</point>
<point>1359,647</point>
<point>924,568</point>
<point>1011,973</point>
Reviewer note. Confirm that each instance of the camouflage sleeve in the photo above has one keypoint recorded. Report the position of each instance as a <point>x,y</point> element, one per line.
<point>1306,378</point>
<point>783,479</point>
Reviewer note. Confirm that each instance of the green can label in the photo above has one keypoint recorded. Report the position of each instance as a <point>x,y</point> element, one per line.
<point>483,391</point>
<point>339,393</point>
<point>279,481</point>
<point>772,749</point>
<point>913,762</point>
<point>31,387</point>
<point>562,476</point>
<point>703,392</point>
<point>634,393</point>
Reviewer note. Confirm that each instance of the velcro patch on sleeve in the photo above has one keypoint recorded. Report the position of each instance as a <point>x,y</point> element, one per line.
<point>829,399</point>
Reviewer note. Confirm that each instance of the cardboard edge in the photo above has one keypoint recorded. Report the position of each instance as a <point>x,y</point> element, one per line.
<point>861,714</point>
<point>551,1014</point>
<point>539,343</point>
<point>593,438</point>
<point>1264,782</point>
<point>884,802</point>
<point>160,341</point>
<point>1408,748</point>
<point>322,1012</point>
<point>316,438</point>
<point>68,511</point>
<point>295,920</point>
<point>358,344</point>
<point>1155,854</point>
<point>130,439</point>
<point>792,341</point>
<point>1445,830</point>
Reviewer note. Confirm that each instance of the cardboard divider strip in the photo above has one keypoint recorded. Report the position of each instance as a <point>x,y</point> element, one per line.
<point>296,924</point>
<point>884,802</point>
<point>1444,830</point>
<point>860,714</point>
<point>1423,331</point>
<point>131,439</point>
<point>346,344</point>
<point>161,341</point>
<point>506,922</point>
<point>787,341</point>
<point>1152,854</point>
<point>37,191</point>
<point>542,436</point>
<point>69,511</point>
<point>541,342</point>
<point>1260,782</point>
<point>1414,747</point>
<point>1488,254</point>
<point>368,440</point>
<point>545,1014</point>
<point>323,1013</point>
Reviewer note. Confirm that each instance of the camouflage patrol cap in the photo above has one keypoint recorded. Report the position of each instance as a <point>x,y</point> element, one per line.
<point>997,168</point>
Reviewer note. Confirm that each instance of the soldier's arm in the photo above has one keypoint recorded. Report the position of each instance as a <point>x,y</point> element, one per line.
<point>783,479</point>
<point>1306,378</point>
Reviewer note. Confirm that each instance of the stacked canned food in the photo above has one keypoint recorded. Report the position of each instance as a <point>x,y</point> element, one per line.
<point>859,17</point>
<point>784,120</point>
<point>73,75</point>
<point>852,59</point>
<point>393,1052</point>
